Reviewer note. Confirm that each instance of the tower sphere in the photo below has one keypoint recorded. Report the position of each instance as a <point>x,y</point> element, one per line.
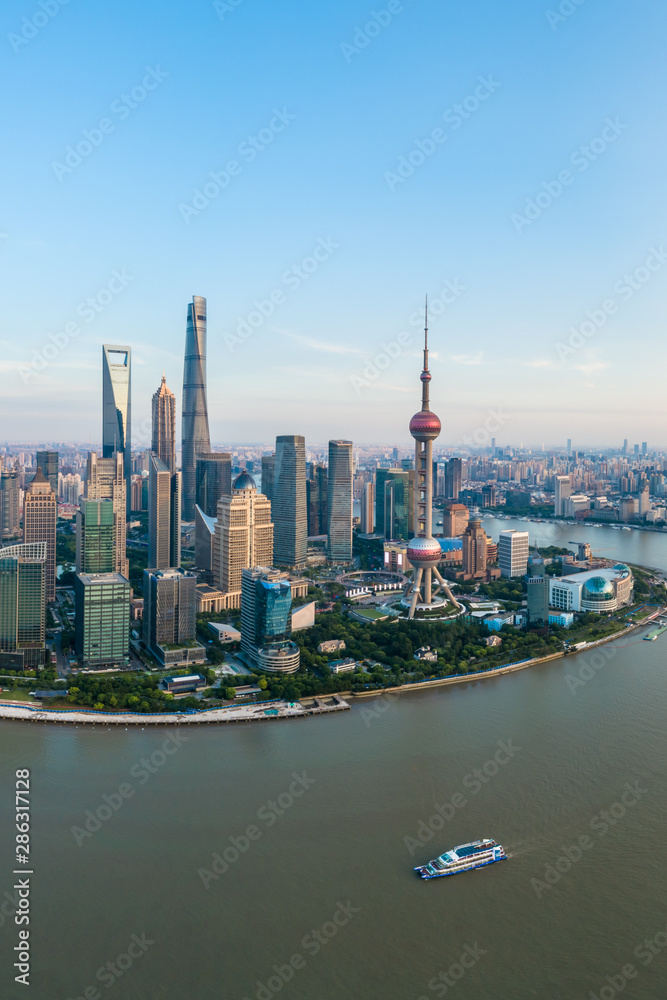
<point>425,426</point>
<point>423,552</point>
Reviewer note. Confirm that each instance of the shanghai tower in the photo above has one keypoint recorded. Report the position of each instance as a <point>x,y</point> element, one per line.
<point>196,438</point>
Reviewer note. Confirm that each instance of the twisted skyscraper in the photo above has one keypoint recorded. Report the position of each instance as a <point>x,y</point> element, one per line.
<point>196,438</point>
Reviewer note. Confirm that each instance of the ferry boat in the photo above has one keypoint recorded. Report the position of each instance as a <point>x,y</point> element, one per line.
<point>477,854</point>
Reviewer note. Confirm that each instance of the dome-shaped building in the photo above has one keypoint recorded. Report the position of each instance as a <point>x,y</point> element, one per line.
<point>598,594</point>
<point>244,482</point>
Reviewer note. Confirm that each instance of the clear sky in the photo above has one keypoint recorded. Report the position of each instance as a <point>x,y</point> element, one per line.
<point>314,105</point>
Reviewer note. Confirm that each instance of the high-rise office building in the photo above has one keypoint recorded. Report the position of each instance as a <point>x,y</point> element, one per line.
<point>170,617</point>
<point>453,478</point>
<point>397,506</point>
<point>381,474</point>
<point>164,516</point>
<point>244,537</point>
<point>40,517</point>
<point>196,439</point>
<point>22,605</point>
<point>268,469</point>
<point>117,409</point>
<point>455,519</point>
<point>105,481</point>
<point>368,509</point>
<point>265,620</point>
<point>10,495</point>
<point>339,502</point>
<point>569,446</point>
<point>164,426</point>
<point>513,552</point>
<point>289,510</point>
<point>95,537</point>
<point>204,539</point>
<point>424,551</point>
<point>102,619</point>
<point>562,490</point>
<point>317,499</point>
<point>475,549</point>
<point>47,461</point>
<point>644,448</point>
<point>213,480</point>
<point>537,592</point>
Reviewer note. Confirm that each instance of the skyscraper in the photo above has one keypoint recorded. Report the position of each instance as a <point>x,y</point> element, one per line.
<point>22,605</point>
<point>339,501</point>
<point>95,536</point>
<point>290,515</point>
<point>10,491</point>
<point>164,426</point>
<point>102,620</point>
<point>513,552</point>
<point>537,592</point>
<point>105,481</point>
<point>562,490</point>
<point>268,469</point>
<point>475,547</point>
<point>213,480</point>
<point>424,552</point>
<point>317,499</point>
<point>47,461</point>
<point>368,509</point>
<point>398,504</point>
<point>453,478</point>
<point>117,409</point>
<point>40,516</point>
<point>265,620</point>
<point>243,537</point>
<point>196,438</point>
<point>170,617</point>
<point>164,515</point>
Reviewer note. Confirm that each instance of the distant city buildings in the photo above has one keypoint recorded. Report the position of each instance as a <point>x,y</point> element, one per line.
<point>163,438</point>
<point>288,506</point>
<point>195,430</point>
<point>563,489</point>
<point>453,478</point>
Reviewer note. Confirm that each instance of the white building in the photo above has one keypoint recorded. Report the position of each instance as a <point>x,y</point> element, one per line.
<point>598,590</point>
<point>513,551</point>
<point>563,488</point>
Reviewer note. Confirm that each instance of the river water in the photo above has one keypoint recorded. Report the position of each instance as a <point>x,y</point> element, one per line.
<point>564,764</point>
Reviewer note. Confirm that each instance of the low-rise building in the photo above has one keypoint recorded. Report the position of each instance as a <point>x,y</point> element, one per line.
<point>564,619</point>
<point>493,640</point>
<point>224,632</point>
<point>303,617</point>
<point>343,666</point>
<point>183,685</point>
<point>331,646</point>
<point>426,654</point>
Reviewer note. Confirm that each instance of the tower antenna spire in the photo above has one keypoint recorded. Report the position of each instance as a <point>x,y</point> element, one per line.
<point>426,335</point>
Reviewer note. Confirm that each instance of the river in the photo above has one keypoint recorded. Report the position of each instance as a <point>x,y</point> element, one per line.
<point>318,824</point>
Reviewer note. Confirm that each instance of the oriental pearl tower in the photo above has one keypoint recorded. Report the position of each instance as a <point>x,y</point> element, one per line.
<point>424,551</point>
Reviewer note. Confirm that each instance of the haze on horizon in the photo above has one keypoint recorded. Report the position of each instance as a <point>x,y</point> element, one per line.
<point>506,160</point>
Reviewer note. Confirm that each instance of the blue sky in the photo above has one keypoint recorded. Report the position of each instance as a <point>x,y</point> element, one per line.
<point>582,94</point>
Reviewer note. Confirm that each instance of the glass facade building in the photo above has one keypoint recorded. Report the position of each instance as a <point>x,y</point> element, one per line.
<point>22,603</point>
<point>196,439</point>
<point>339,501</point>
<point>164,515</point>
<point>102,619</point>
<point>213,480</point>
<point>95,537</point>
<point>47,461</point>
<point>116,409</point>
<point>288,504</point>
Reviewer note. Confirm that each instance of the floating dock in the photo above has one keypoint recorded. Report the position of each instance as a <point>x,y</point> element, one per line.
<point>652,636</point>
